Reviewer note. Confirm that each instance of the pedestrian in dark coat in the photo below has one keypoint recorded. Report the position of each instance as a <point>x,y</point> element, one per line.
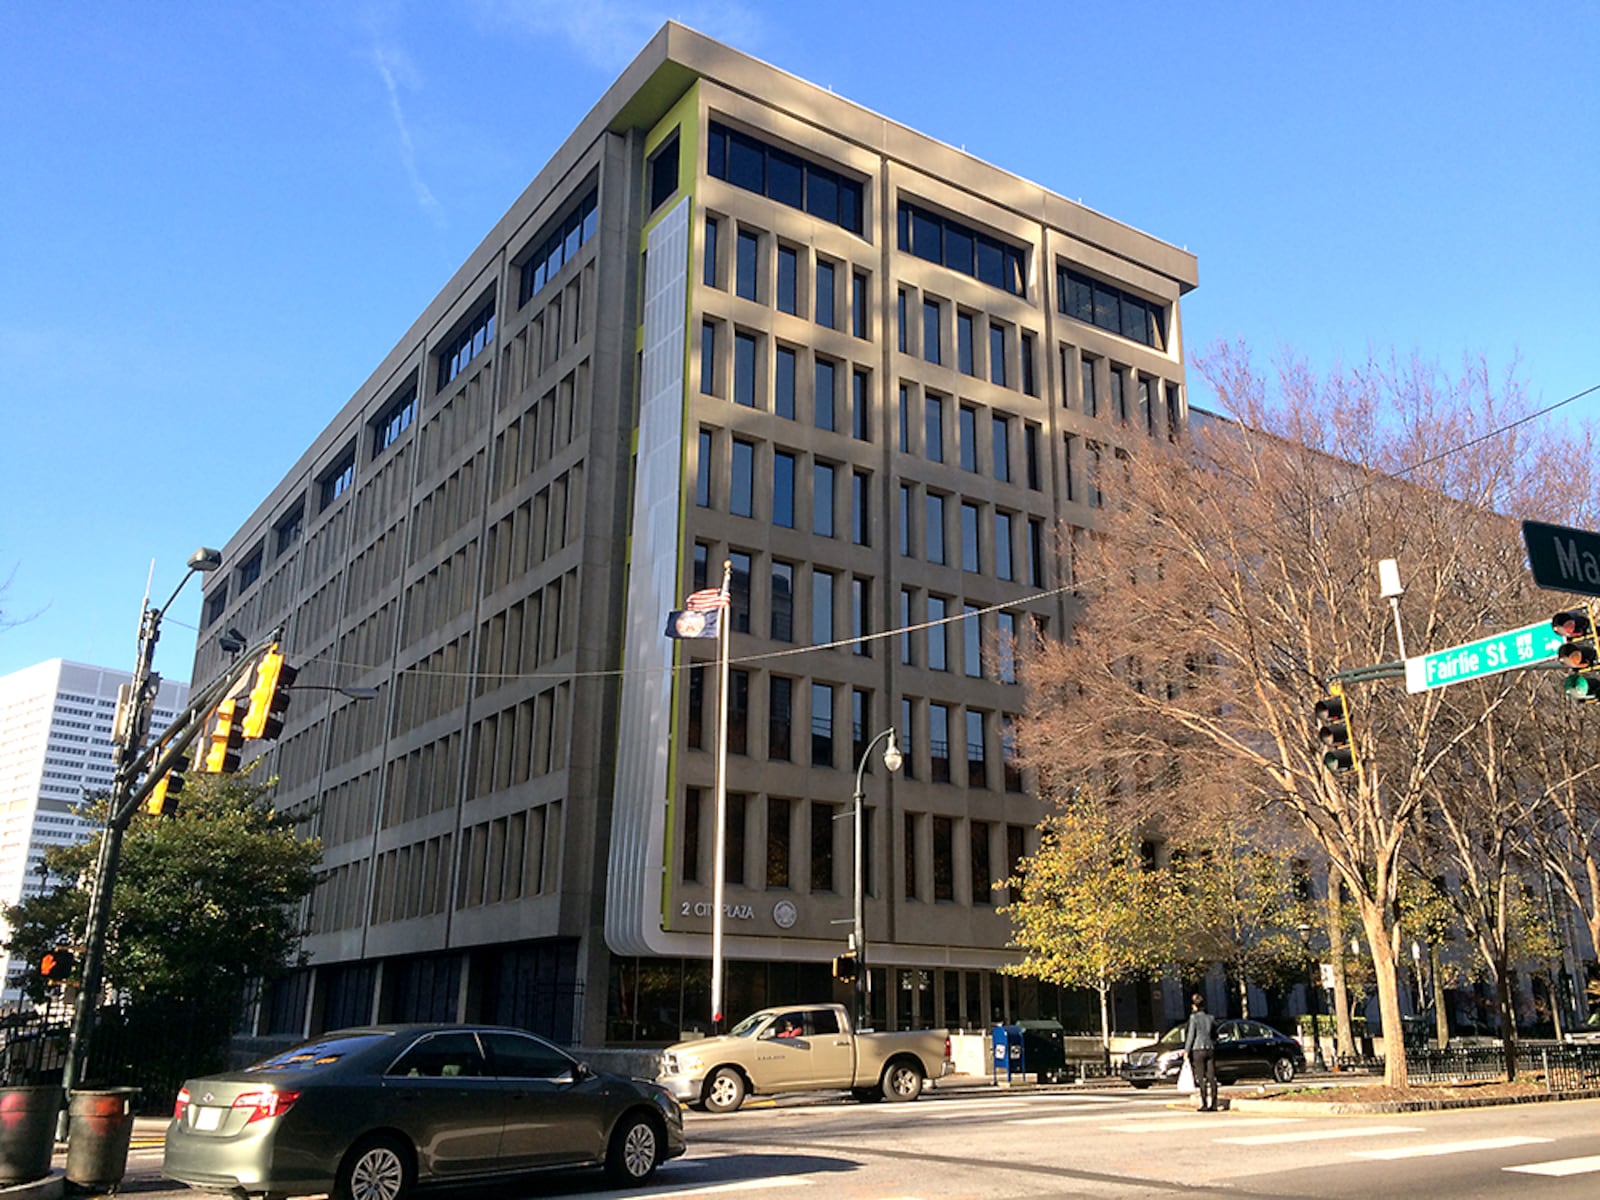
<point>1200,1045</point>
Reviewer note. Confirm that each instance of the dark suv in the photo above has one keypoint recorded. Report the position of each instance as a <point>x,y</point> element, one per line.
<point>1245,1049</point>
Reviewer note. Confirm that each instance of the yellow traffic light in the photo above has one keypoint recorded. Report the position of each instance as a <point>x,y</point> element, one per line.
<point>1333,717</point>
<point>269,699</point>
<point>163,798</point>
<point>846,967</point>
<point>226,738</point>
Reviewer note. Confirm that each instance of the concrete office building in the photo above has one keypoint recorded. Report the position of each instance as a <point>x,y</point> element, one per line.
<point>55,750</point>
<point>735,317</point>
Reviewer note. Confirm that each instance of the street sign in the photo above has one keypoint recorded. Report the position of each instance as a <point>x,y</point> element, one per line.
<point>1562,559</point>
<point>1526,647</point>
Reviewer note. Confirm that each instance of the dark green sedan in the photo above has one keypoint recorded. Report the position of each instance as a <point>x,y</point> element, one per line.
<point>370,1113</point>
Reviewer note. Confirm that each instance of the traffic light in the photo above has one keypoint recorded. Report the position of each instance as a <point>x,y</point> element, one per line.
<point>269,699</point>
<point>1579,652</point>
<point>1333,731</point>
<point>55,965</point>
<point>163,798</point>
<point>226,738</point>
<point>846,968</point>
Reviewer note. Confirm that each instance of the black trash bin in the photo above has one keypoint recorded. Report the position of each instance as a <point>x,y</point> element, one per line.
<point>99,1127</point>
<point>1044,1049</point>
<point>27,1132</point>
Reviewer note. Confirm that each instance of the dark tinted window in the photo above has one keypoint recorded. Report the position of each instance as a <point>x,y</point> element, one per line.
<point>442,1056</point>
<point>749,163</point>
<point>664,173</point>
<point>520,1056</point>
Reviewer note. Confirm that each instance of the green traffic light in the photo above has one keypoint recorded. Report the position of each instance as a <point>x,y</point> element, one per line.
<point>1585,688</point>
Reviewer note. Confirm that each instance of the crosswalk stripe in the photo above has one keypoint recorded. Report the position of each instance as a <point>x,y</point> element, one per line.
<point>1561,1166</point>
<point>995,1109</point>
<point>1196,1121</point>
<point>742,1185</point>
<point>1436,1149</point>
<point>1317,1135</point>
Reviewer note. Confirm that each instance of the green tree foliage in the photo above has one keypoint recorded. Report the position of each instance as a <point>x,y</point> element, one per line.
<point>1092,913</point>
<point>203,901</point>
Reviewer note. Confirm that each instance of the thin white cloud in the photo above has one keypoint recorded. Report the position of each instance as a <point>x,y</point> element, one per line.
<point>395,69</point>
<point>608,33</point>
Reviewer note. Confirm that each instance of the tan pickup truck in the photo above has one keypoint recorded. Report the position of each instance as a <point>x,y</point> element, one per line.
<point>802,1048</point>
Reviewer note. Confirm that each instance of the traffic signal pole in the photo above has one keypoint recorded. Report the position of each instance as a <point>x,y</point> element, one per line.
<point>138,770</point>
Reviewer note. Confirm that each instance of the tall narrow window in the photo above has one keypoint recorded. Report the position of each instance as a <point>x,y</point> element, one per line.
<point>860,514</point>
<point>976,764</point>
<point>860,620</point>
<point>938,633</point>
<point>702,471</point>
<point>745,267</point>
<point>780,717</point>
<point>1147,411</point>
<point>823,398</point>
<point>733,844</point>
<point>968,438</point>
<point>1030,451</point>
<point>783,382</point>
<point>1119,398</point>
<point>739,591</point>
<point>1010,758</point>
<point>907,728</point>
<point>905,519</point>
<point>1087,389</point>
<point>778,834</point>
<point>858,305</point>
<point>742,479</point>
<point>822,725</point>
<point>935,528</point>
<point>788,272</point>
<point>744,369</point>
<point>1000,435</point>
<point>1030,380</point>
<point>691,835</point>
<point>905,419</point>
<point>860,714</point>
<point>821,607</point>
<point>1002,546</point>
<point>824,295</point>
<point>997,354</point>
<point>906,655</point>
<point>978,858</point>
<point>708,358</point>
<point>738,713</point>
<point>860,407</point>
<point>901,324</point>
<point>694,733</point>
<point>1035,552</point>
<point>909,855</point>
<point>1006,647</point>
<point>964,343</point>
<point>932,350</point>
<point>710,271</point>
<point>783,489</point>
<point>782,601</point>
<point>822,825</point>
<point>933,428</point>
<point>1174,411</point>
<point>970,556</point>
<point>822,482</point>
<point>939,742</point>
<point>971,642</point>
<point>944,859</point>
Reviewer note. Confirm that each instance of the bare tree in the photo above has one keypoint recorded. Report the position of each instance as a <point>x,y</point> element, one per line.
<point>1232,576</point>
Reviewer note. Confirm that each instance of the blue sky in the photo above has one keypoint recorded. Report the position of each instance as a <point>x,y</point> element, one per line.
<point>216,219</point>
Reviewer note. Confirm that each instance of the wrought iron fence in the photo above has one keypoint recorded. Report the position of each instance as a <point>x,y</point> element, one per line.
<point>1559,1068</point>
<point>1467,1064</point>
<point>1568,1068</point>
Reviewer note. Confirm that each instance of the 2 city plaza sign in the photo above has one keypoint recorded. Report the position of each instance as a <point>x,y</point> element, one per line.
<point>1561,559</point>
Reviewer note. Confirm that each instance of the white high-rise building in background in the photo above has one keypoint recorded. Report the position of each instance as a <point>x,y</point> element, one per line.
<point>55,751</point>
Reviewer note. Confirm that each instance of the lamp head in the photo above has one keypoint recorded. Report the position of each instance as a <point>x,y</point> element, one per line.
<point>1389,579</point>
<point>359,693</point>
<point>205,559</point>
<point>232,641</point>
<point>892,758</point>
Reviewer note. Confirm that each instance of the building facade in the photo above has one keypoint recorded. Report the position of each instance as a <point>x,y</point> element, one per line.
<point>55,752</point>
<point>735,319</point>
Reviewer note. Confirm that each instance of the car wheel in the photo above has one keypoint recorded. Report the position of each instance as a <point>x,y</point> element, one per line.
<point>378,1168</point>
<point>724,1091</point>
<point>1283,1070</point>
<point>901,1081</point>
<point>635,1150</point>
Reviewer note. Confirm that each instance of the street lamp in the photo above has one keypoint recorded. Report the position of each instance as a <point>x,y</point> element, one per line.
<point>131,729</point>
<point>1313,987</point>
<point>858,931</point>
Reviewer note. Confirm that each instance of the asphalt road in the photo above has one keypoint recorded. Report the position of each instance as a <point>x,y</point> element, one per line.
<point>1116,1144</point>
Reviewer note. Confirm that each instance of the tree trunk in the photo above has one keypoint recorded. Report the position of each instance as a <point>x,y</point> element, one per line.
<point>1441,1018</point>
<point>1346,1044</point>
<point>1105,1027</point>
<point>1388,981</point>
<point>1244,997</point>
<point>1508,1015</point>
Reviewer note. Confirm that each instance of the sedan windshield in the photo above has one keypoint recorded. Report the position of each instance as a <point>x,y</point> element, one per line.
<point>316,1054</point>
<point>1173,1036</point>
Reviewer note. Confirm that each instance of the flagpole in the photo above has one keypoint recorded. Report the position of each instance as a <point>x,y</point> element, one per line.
<point>726,615</point>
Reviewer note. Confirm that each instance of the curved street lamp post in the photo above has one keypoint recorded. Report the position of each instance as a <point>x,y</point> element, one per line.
<point>858,933</point>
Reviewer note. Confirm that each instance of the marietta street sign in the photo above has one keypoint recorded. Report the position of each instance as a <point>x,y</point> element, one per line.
<point>1507,651</point>
<point>1562,559</point>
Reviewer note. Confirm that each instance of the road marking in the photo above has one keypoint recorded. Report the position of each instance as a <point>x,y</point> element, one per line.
<point>1317,1135</point>
<point>1199,1121</point>
<point>742,1185</point>
<point>1102,1117</point>
<point>1440,1148</point>
<point>996,1109</point>
<point>1561,1166</point>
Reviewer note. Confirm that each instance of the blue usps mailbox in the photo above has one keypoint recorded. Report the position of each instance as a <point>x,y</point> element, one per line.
<point>1008,1055</point>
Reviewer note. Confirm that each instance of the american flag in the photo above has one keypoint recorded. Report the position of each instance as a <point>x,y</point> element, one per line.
<point>706,600</point>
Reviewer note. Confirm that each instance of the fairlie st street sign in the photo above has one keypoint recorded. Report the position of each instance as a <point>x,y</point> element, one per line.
<point>1509,651</point>
<point>1562,559</point>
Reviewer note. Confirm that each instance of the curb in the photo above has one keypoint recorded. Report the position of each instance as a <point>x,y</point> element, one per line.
<point>1313,1108</point>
